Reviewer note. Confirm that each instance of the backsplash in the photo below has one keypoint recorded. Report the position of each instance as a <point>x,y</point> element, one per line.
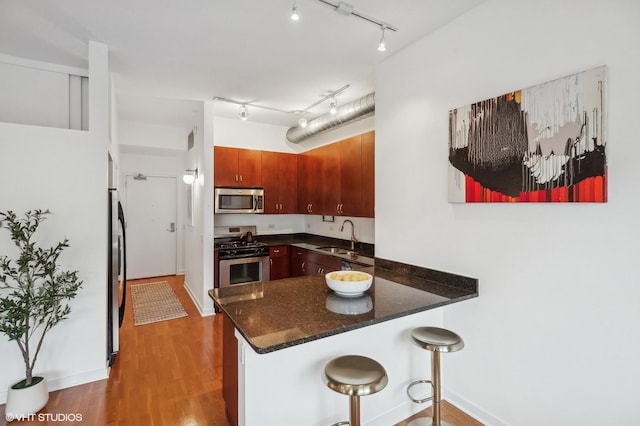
<point>270,224</point>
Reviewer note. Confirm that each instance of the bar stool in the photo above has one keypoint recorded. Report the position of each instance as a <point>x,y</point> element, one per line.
<point>436,340</point>
<point>354,375</point>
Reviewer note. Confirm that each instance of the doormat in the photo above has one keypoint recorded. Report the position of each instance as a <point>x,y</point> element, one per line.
<point>154,302</point>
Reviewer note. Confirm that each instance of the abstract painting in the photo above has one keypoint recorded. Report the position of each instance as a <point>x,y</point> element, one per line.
<point>541,144</point>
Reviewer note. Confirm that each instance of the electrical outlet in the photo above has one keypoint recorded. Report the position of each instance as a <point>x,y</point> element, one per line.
<point>272,226</point>
<point>331,228</point>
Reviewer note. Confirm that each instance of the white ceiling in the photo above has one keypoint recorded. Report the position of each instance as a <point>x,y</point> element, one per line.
<point>165,54</point>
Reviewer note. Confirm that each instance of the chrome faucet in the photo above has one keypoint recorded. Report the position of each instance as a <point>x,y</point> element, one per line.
<point>353,237</point>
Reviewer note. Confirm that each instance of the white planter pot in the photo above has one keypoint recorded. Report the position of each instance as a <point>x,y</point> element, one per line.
<point>22,402</point>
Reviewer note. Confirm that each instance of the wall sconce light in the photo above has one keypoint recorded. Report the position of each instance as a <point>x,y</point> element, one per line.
<point>243,112</point>
<point>190,176</point>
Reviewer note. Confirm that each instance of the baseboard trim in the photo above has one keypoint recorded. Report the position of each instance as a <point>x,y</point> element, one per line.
<point>398,414</point>
<point>204,312</point>
<point>69,381</point>
<point>472,409</point>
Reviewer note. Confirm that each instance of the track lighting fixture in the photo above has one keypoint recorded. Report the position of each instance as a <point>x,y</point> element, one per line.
<point>243,112</point>
<point>382,45</point>
<point>333,104</point>
<point>294,11</point>
<point>347,9</point>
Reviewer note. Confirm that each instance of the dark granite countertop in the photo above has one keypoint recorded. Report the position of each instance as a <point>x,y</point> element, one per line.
<point>278,314</point>
<point>312,242</point>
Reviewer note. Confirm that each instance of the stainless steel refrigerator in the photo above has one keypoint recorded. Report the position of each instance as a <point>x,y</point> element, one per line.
<point>117,266</point>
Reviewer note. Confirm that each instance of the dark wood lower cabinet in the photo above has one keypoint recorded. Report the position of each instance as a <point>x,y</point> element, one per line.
<point>230,370</point>
<point>305,262</point>
<point>279,262</point>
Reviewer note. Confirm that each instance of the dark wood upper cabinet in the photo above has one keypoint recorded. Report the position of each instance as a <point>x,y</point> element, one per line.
<point>280,182</point>
<point>343,173</point>
<point>330,178</point>
<point>288,182</point>
<point>336,179</point>
<point>270,181</point>
<point>310,182</point>
<point>368,174</point>
<point>237,167</point>
<point>350,203</point>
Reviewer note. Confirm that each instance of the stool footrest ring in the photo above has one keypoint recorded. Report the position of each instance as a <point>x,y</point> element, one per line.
<point>418,382</point>
<point>341,423</point>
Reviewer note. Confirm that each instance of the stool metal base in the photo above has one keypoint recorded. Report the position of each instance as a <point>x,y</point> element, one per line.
<point>426,421</point>
<point>419,382</point>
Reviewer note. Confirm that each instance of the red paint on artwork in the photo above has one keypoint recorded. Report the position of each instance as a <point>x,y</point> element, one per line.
<point>590,190</point>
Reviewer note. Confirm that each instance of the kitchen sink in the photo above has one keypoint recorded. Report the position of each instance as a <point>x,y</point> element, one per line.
<point>336,250</point>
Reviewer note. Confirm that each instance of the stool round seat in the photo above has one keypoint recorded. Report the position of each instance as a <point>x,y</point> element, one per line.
<point>355,375</point>
<point>437,339</point>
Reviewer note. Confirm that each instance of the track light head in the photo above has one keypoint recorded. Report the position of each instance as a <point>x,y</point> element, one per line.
<point>294,11</point>
<point>382,46</point>
<point>333,104</point>
<point>302,122</point>
<point>243,112</point>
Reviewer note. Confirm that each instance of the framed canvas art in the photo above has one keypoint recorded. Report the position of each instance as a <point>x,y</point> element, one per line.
<point>541,144</point>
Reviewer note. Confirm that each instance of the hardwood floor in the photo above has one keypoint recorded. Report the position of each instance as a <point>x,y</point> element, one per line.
<point>448,413</point>
<point>167,373</point>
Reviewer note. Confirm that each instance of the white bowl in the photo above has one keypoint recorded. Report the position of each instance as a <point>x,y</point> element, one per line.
<point>343,283</point>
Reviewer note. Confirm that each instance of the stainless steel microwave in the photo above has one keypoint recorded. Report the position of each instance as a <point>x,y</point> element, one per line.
<point>238,200</point>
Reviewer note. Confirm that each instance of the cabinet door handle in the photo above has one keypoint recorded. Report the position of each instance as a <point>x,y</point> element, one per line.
<point>271,262</point>
<point>276,250</point>
<point>236,178</point>
<point>240,178</point>
<point>303,267</point>
<point>281,206</point>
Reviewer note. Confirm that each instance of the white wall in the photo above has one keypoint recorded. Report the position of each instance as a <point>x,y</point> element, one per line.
<point>66,172</point>
<point>150,135</point>
<point>199,237</point>
<point>552,339</point>
<point>40,93</point>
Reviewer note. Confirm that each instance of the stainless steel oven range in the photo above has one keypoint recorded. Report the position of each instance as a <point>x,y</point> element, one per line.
<point>241,259</point>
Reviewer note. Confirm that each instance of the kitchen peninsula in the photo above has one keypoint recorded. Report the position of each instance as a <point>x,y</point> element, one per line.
<point>286,331</point>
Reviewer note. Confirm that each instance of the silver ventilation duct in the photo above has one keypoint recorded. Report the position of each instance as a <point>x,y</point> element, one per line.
<point>345,114</point>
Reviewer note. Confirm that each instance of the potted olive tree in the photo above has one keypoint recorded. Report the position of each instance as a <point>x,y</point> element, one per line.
<point>33,295</point>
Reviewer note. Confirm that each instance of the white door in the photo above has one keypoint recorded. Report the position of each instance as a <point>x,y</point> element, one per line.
<point>151,226</point>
